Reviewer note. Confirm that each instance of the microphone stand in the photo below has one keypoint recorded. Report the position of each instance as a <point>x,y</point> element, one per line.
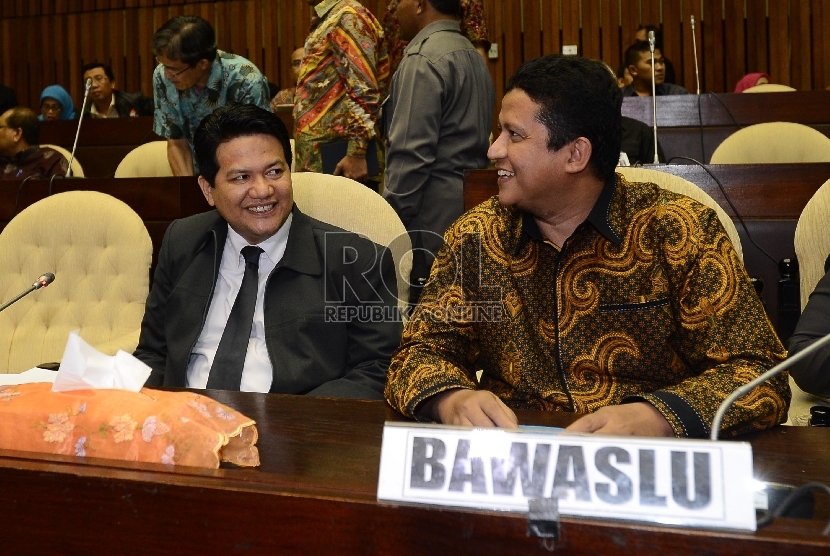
<point>653,95</point>
<point>87,87</point>
<point>694,49</point>
<point>41,282</point>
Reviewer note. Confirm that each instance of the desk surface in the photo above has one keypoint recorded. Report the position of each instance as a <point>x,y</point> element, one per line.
<point>316,491</point>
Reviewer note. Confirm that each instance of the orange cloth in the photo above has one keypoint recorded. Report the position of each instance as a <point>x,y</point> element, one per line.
<point>175,428</point>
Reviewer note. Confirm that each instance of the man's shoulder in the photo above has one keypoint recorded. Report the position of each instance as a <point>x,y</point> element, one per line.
<point>333,236</point>
<point>191,230</point>
<point>672,89</point>
<point>636,197</point>
<point>490,218</point>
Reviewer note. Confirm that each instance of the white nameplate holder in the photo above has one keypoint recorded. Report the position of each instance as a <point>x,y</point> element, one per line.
<point>695,483</point>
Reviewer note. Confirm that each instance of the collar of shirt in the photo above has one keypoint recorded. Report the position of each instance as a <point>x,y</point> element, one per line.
<point>434,27</point>
<point>273,247</point>
<point>94,111</point>
<point>598,217</point>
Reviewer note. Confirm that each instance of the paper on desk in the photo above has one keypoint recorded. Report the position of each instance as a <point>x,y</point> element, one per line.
<point>83,366</point>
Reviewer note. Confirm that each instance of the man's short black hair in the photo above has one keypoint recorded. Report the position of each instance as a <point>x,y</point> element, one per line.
<point>635,51</point>
<point>26,120</point>
<point>105,67</point>
<point>447,7</point>
<point>578,97</point>
<point>187,39</point>
<point>228,123</point>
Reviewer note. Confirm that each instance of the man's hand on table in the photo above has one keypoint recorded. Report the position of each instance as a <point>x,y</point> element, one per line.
<point>633,419</point>
<point>478,408</point>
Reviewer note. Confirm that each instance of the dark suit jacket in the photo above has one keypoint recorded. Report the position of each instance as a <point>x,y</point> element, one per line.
<point>125,103</point>
<point>323,269</point>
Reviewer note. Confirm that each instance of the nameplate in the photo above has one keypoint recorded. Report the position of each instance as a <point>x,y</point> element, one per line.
<point>696,483</point>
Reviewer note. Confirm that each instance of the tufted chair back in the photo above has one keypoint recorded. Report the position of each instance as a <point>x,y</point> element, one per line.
<point>99,251</point>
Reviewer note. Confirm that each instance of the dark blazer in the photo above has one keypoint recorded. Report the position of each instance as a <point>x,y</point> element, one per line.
<point>125,103</point>
<point>313,348</point>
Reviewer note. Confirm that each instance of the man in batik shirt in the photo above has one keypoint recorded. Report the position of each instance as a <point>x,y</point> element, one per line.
<point>192,80</point>
<point>574,290</point>
<point>341,85</point>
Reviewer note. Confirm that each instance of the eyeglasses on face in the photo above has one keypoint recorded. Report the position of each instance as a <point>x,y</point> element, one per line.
<point>171,72</point>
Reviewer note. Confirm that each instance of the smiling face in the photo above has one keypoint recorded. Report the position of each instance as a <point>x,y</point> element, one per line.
<point>252,189</point>
<point>530,174</point>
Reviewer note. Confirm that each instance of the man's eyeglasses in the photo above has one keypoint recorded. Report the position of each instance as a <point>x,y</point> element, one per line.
<point>170,73</point>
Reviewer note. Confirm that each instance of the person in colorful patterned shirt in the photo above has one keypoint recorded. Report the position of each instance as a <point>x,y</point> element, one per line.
<point>341,85</point>
<point>574,290</point>
<point>192,80</point>
<point>472,21</point>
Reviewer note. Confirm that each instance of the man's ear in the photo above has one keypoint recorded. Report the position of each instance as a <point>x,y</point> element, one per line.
<point>17,136</point>
<point>632,70</point>
<point>580,155</point>
<point>207,190</point>
<point>203,64</point>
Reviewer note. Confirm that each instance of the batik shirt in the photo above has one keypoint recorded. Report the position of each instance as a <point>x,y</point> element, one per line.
<point>646,301</point>
<point>232,79</point>
<point>342,81</point>
<point>473,27</point>
<point>34,161</point>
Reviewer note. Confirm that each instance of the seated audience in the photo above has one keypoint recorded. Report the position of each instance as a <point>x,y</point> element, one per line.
<point>638,60</point>
<point>20,154</point>
<point>257,296</point>
<point>574,290</point>
<point>286,96</point>
<point>642,35</point>
<point>813,374</point>
<point>56,104</point>
<point>750,80</point>
<point>105,101</point>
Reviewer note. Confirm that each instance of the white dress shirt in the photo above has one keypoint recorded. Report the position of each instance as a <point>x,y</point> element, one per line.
<point>257,372</point>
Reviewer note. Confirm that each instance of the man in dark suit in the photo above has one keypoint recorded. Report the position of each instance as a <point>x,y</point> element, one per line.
<point>108,102</point>
<point>324,320</point>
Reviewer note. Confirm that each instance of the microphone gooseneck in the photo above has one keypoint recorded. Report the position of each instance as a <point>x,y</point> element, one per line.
<point>694,49</point>
<point>749,386</point>
<point>653,95</point>
<point>43,280</point>
<point>87,87</point>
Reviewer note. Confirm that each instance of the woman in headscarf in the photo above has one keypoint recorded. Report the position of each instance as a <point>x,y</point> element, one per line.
<point>56,104</point>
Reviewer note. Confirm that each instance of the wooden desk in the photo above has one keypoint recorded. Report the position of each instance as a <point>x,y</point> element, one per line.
<point>103,143</point>
<point>315,493</point>
<point>683,120</point>
<point>770,197</point>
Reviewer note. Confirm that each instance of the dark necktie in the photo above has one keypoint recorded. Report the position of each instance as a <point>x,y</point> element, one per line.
<point>226,371</point>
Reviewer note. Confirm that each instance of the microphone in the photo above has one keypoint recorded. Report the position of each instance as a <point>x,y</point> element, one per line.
<point>653,95</point>
<point>749,386</point>
<point>87,87</point>
<point>42,281</point>
<point>694,49</point>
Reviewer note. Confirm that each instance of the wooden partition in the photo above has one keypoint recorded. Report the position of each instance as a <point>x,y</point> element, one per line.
<point>47,41</point>
<point>315,492</point>
<point>769,198</point>
<point>102,144</point>
<point>694,126</point>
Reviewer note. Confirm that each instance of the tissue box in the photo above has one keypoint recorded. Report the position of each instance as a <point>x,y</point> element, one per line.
<point>173,428</point>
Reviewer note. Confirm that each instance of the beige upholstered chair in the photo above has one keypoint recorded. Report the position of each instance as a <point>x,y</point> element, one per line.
<point>145,161</point>
<point>354,207</point>
<point>773,142</point>
<point>812,245</point>
<point>680,185</point>
<point>77,171</point>
<point>769,88</point>
<point>99,251</point>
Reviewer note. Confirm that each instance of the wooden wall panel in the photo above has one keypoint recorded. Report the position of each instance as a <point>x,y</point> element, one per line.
<point>56,37</point>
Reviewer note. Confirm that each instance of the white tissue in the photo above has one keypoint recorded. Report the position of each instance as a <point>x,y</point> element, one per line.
<point>83,367</point>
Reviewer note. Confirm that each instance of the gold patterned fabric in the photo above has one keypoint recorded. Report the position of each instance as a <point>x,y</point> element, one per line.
<point>647,300</point>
